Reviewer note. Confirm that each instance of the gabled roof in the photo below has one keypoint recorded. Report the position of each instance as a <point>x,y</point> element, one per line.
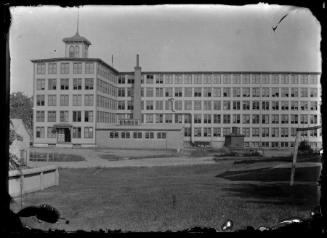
<point>76,38</point>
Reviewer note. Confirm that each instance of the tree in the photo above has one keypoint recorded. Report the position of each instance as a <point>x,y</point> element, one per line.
<point>21,107</point>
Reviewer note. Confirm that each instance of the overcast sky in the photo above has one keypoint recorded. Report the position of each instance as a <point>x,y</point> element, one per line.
<point>169,38</point>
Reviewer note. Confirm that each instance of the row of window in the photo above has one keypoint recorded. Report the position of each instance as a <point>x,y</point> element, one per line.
<point>137,135</point>
<point>234,118</point>
<point>105,102</point>
<point>217,105</point>
<point>76,132</point>
<point>77,84</point>
<point>276,144</point>
<point>106,117</point>
<point>106,73</point>
<point>248,132</point>
<point>65,68</point>
<point>254,78</point>
<point>64,116</point>
<point>64,100</point>
<point>107,88</point>
<point>221,92</point>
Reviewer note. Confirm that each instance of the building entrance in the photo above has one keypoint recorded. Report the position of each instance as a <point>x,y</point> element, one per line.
<point>63,135</point>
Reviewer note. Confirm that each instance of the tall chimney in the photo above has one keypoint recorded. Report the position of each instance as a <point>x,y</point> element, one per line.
<point>137,91</point>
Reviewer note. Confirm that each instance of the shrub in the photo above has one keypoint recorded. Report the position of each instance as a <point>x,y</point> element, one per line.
<point>305,147</point>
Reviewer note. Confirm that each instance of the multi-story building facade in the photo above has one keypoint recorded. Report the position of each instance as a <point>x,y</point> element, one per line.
<point>93,97</point>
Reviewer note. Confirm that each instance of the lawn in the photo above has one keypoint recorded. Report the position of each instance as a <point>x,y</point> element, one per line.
<point>166,198</point>
<point>55,157</point>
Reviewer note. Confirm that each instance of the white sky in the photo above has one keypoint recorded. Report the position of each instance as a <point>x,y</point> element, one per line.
<point>169,38</point>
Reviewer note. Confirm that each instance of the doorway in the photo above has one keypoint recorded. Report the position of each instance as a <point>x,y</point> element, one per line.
<point>63,135</point>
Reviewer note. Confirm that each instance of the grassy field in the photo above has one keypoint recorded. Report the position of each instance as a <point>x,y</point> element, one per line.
<point>168,198</point>
<point>56,157</point>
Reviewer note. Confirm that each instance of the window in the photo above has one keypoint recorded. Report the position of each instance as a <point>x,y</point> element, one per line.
<point>255,105</point>
<point>265,119</point>
<point>197,92</point>
<point>115,134</point>
<point>246,119</point>
<point>294,92</point>
<point>178,79</point>
<point>275,105</point>
<point>88,116</point>
<point>130,105</point>
<point>255,92</point>
<point>216,118</point>
<point>178,118</point>
<point>313,92</point>
<point>304,105</point>
<point>51,116</point>
<point>89,84</point>
<point>236,118</point>
<point>284,132</point>
<point>77,116</point>
<point>255,118</point>
<point>226,105</point>
<point>207,92</point>
<point>168,79</point>
<point>216,92</point>
<point>187,118</point>
<point>64,100</point>
<point>159,79</point>
<point>313,106</point>
<point>226,79</point>
<point>77,84</point>
<point>246,131</point>
<point>304,119</point>
<point>40,116</point>
<point>207,118</point>
<point>149,92</point>
<point>246,79</point>
<point>275,79</point>
<point>121,105</point>
<point>265,105</point>
<point>188,105</point>
<point>52,100</point>
<point>148,118</point>
<point>159,105</point>
<point>313,119</point>
<point>52,68</point>
<point>88,100</point>
<point>207,79</point>
<point>217,105</point>
<point>197,131</point>
<point>197,79</point>
<point>149,105</point>
<point>216,79</point>
<point>255,132</point>
<point>89,68</point>
<point>304,79</point>
<point>236,79</point>
<point>265,79</point>
<point>197,118</point>
<point>284,92</point>
<point>188,79</point>
<point>64,68</point>
<point>149,79</point>
<point>178,92</point>
<point>178,105</point>
<point>77,131</point>
<point>40,84</point>
<point>226,118</point>
<point>275,92</point>
<point>226,92</point>
<point>226,131</point>
<point>40,100</point>
<point>294,105</point>
<point>88,132</point>
<point>40,68</point>
<point>52,84</point>
<point>206,132</point>
<point>255,78</point>
<point>51,133</point>
<point>236,92</point>
<point>168,92</point>
<point>265,92</point>
<point>284,79</point>
<point>246,105</point>
<point>161,135</point>
<point>39,132</point>
<point>294,119</point>
<point>77,100</point>
<point>159,92</point>
<point>137,135</point>
<point>121,92</point>
<point>63,116</point>
<point>246,92</point>
<point>284,119</point>
<point>188,92</point>
<point>149,135</point>
<point>168,105</point>
<point>304,92</point>
<point>294,79</point>
<point>77,68</point>
<point>265,132</point>
<point>284,105</point>
<point>275,132</point>
<point>217,132</point>
<point>64,84</point>
<point>275,119</point>
<point>121,80</point>
<point>236,105</point>
<point>313,79</point>
<point>168,118</point>
<point>197,105</point>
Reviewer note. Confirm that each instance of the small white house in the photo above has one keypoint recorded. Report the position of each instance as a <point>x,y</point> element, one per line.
<point>20,146</point>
